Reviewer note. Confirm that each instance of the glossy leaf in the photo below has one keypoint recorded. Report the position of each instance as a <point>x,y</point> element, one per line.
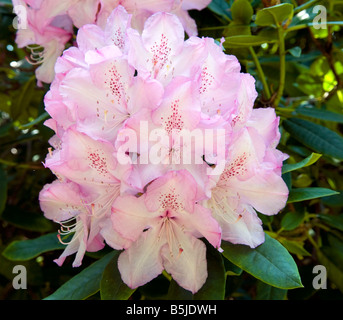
<point>316,137</point>
<point>302,194</point>
<point>84,284</point>
<point>28,249</point>
<point>111,286</point>
<point>270,262</point>
<point>288,167</point>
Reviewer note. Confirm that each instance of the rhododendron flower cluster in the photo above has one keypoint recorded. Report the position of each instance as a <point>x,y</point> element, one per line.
<point>46,26</point>
<point>157,145</point>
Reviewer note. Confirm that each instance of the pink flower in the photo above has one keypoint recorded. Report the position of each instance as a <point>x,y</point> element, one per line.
<point>164,225</point>
<point>159,143</point>
<point>50,24</point>
<point>251,180</point>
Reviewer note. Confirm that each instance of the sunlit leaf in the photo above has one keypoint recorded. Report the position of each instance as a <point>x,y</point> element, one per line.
<point>304,163</point>
<point>274,15</point>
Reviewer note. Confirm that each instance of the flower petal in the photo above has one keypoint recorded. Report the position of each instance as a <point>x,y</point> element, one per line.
<point>141,262</point>
<point>185,260</point>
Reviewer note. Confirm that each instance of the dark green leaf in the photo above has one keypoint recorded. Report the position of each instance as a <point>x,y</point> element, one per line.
<point>316,137</point>
<point>214,287</point>
<point>27,220</point>
<point>34,272</point>
<point>24,98</point>
<point>334,272</point>
<point>270,262</point>
<point>291,220</point>
<point>302,194</point>
<point>29,249</point>
<point>320,114</point>
<point>304,163</point>
<point>3,189</point>
<point>274,15</point>
<point>176,292</point>
<point>220,7</point>
<point>112,286</point>
<point>332,221</point>
<point>267,292</point>
<point>84,284</point>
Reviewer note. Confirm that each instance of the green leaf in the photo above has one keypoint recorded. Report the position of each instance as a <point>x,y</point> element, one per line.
<point>3,189</point>
<point>316,137</point>
<point>332,221</point>
<point>28,249</point>
<point>304,163</point>
<point>220,7</point>
<point>84,284</point>
<point>295,52</point>
<point>242,11</point>
<point>292,220</point>
<point>274,15</point>
<point>24,98</point>
<point>246,41</point>
<point>302,194</point>
<point>267,292</point>
<point>112,286</point>
<point>294,247</point>
<point>176,292</point>
<point>335,273</point>
<point>320,114</point>
<point>26,220</point>
<point>270,262</point>
<point>214,287</point>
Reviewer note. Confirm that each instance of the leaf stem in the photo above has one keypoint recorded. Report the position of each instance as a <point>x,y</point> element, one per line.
<point>22,166</point>
<point>282,55</point>
<point>260,73</point>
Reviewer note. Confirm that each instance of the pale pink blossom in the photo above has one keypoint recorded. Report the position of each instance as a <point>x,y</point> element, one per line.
<point>121,103</point>
<point>164,225</point>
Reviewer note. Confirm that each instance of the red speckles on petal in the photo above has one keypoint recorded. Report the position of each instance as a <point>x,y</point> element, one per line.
<point>174,120</point>
<point>170,201</point>
<point>118,39</point>
<point>114,82</point>
<point>97,162</point>
<point>161,52</point>
<point>235,168</point>
<point>206,80</point>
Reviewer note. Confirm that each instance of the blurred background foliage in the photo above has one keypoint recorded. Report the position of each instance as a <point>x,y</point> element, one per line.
<point>298,67</point>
